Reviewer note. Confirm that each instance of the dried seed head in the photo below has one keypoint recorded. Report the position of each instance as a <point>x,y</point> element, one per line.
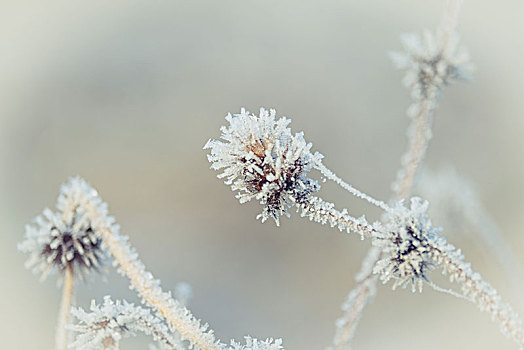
<point>406,238</point>
<point>263,160</point>
<point>432,61</point>
<point>67,238</point>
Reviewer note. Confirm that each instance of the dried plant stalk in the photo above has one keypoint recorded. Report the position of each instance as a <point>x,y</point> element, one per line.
<point>61,338</point>
<point>178,317</point>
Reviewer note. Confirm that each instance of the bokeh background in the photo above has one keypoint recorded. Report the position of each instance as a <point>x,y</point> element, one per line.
<point>127,93</point>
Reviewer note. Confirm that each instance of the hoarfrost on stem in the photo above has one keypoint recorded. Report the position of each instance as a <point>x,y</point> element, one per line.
<point>255,344</point>
<point>105,325</point>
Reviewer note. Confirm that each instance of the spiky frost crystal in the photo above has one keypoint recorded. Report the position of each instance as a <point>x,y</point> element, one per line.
<point>65,238</point>
<point>255,344</point>
<point>263,160</point>
<point>432,61</point>
<point>407,238</point>
<point>105,325</point>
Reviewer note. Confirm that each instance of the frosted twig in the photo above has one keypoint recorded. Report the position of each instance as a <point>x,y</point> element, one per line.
<point>420,135</point>
<point>255,344</point>
<point>61,338</point>
<point>105,325</point>
<point>428,70</point>
<point>318,210</point>
<point>78,235</point>
<point>65,241</point>
<point>411,247</point>
<point>179,318</point>
<point>430,64</point>
<point>456,203</point>
<point>332,176</point>
<point>478,291</point>
<point>356,301</point>
<point>449,22</point>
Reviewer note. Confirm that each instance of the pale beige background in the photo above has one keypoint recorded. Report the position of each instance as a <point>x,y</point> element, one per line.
<point>126,93</point>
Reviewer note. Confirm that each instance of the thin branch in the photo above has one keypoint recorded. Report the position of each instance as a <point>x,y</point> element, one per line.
<point>418,145</point>
<point>332,176</point>
<point>318,210</point>
<point>478,291</point>
<point>419,134</point>
<point>61,337</point>
<point>178,317</point>
<point>106,324</point>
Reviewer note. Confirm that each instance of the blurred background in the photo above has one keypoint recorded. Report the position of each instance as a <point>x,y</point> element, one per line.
<point>126,94</point>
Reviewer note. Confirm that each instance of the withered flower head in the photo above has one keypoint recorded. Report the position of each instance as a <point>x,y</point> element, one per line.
<point>263,160</point>
<point>406,237</point>
<point>67,238</point>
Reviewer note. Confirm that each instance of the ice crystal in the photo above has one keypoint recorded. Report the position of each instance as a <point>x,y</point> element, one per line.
<point>406,238</point>
<point>105,325</point>
<point>255,344</point>
<point>67,238</point>
<point>263,160</point>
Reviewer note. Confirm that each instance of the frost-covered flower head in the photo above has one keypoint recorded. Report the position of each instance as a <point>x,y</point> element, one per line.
<point>106,324</point>
<point>67,238</point>
<point>406,238</point>
<point>432,61</point>
<point>263,160</point>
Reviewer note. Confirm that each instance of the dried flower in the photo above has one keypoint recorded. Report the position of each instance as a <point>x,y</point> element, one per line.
<point>406,239</point>
<point>67,238</point>
<point>263,160</point>
<point>431,62</point>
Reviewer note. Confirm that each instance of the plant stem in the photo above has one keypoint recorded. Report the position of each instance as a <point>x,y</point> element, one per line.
<point>332,176</point>
<point>354,307</point>
<point>177,317</point>
<point>419,136</point>
<point>478,291</point>
<point>418,145</point>
<point>61,338</point>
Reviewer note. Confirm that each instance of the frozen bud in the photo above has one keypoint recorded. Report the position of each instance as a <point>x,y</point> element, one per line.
<point>406,238</point>
<point>261,159</point>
